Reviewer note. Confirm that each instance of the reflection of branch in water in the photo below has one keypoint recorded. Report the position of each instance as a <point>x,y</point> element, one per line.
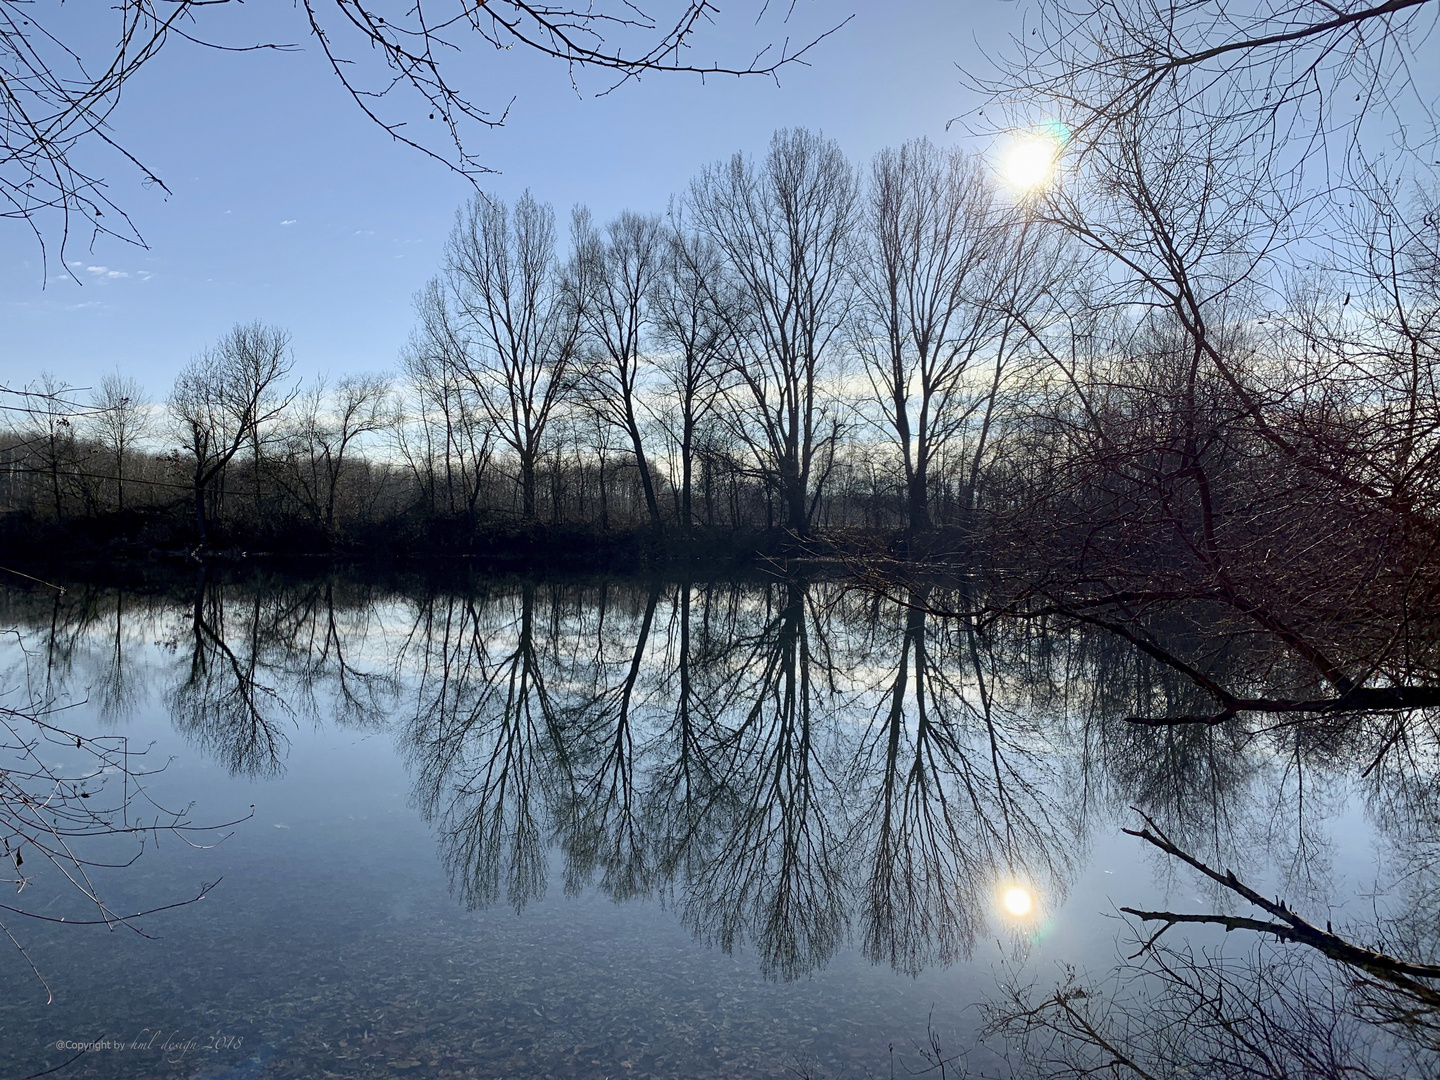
<point>487,742</point>
<point>1198,780</point>
<point>684,786</point>
<point>952,813</point>
<point>1272,1013</point>
<point>1290,670</point>
<point>721,763</point>
<point>1410,979</point>
<point>1193,1014</point>
<point>777,872</point>
<point>219,700</point>
<point>65,800</point>
<point>603,824</point>
<point>1195,779</point>
<point>312,649</point>
<point>116,689</point>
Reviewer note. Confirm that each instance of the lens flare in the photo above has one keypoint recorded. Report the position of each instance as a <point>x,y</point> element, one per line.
<point>1017,901</point>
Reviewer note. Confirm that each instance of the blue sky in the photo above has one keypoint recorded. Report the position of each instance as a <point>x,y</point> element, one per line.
<point>289,207</point>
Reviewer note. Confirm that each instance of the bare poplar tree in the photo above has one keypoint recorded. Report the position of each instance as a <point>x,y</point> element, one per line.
<point>509,323</point>
<point>785,228</point>
<point>445,443</point>
<point>938,238</point>
<point>121,420</point>
<point>615,275</point>
<point>223,397</point>
<point>694,309</point>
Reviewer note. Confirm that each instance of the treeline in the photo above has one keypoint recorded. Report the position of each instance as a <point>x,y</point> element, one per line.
<point>792,348</point>
<point>1109,381</point>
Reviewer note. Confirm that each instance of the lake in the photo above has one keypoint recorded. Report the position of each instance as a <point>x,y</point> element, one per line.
<point>635,828</point>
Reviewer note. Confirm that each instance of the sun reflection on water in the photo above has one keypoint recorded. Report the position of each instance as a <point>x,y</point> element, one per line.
<point>1018,901</point>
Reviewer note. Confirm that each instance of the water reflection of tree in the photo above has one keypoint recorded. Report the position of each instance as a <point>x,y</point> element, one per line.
<point>238,638</point>
<point>75,805</point>
<point>1301,998</point>
<point>604,827</point>
<point>222,701</point>
<point>259,657</point>
<point>790,763</point>
<point>117,690</point>
<point>486,741</point>
<point>711,745</point>
<point>1194,778</point>
<point>777,872</point>
<point>1299,1001</point>
<point>686,779</point>
<point>963,799</point>
<point>310,634</point>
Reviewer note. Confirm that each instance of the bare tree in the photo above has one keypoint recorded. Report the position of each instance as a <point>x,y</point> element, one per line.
<point>325,437</point>
<point>615,276</point>
<point>121,420</point>
<point>942,248</point>
<point>444,441</point>
<point>507,323</point>
<point>221,399</point>
<point>1357,340</point>
<point>785,228</point>
<point>49,436</point>
<point>694,309</point>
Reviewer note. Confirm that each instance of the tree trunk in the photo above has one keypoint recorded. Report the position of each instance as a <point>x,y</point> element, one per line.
<point>795,504</point>
<point>55,480</point>
<point>919,498</point>
<point>200,510</point>
<point>646,483</point>
<point>707,480</point>
<point>527,486</point>
<point>686,520</point>
<point>604,498</point>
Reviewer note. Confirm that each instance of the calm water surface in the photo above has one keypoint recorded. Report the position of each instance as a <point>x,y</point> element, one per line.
<point>617,829</point>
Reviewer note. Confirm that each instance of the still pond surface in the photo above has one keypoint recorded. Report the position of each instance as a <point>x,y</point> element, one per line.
<point>619,828</point>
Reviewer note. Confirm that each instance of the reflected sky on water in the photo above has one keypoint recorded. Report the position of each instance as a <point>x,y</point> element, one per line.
<point>631,828</point>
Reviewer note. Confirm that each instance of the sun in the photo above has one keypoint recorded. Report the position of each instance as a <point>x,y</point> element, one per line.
<point>1029,159</point>
<point>1029,162</point>
<point>1017,901</point>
